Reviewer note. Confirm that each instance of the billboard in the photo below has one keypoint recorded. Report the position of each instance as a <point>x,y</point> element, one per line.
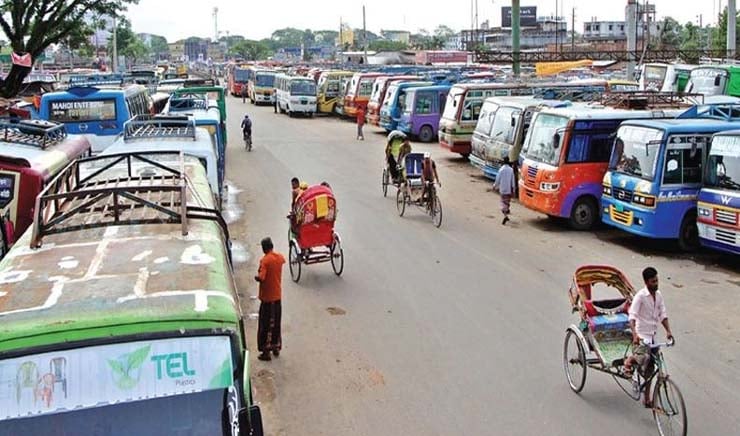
<point>527,16</point>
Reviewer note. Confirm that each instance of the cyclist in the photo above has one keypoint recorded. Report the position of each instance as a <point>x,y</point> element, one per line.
<point>247,128</point>
<point>397,147</point>
<point>428,175</point>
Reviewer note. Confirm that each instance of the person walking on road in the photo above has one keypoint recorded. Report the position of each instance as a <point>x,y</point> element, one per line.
<point>360,123</point>
<point>244,94</point>
<point>505,187</point>
<point>274,99</point>
<point>270,277</point>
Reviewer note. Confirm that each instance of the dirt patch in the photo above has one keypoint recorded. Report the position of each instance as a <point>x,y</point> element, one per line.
<point>334,311</point>
<point>264,385</point>
<point>376,378</point>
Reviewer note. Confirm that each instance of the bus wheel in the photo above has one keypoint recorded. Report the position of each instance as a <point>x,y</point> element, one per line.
<point>688,236</point>
<point>426,134</point>
<point>584,213</point>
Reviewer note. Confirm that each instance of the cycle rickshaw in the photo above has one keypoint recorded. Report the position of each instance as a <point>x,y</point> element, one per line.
<point>602,340</point>
<point>312,236</point>
<point>411,190</point>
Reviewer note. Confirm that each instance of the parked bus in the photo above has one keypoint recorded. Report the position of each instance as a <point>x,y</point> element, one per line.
<point>295,94</point>
<point>566,153</point>
<point>422,111</point>
<point>711,80</point>
<point>261,86</point>
<point>395,103</point>
<point>97,113</point>
<point>664,77</point>
<point>501,129</point>
<point>238,79</point>
<point>343,91</point>
<point>359,92</point>
<point>31,154</point>
<point>462,109</point>
<point>718,208</point>
<point>139,329</point>
<point>330,86</point>
<point>655,175</point>
<point>380,88</point>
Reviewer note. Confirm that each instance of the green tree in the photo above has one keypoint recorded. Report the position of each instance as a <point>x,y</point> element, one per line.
<point>124,36</point>
<point>250,50</point>
<point>31,26</point>
<point>690,42</point>
<point>326,36</point>
<point>670,33</point>
<point>385,45</point>
<point>288,37</point>
<point>136,51</point>
<point>719,33</point>
<point>158,45</point>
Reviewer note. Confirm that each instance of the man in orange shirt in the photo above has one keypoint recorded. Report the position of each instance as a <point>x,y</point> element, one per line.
<point>360,123</point>
<point>269,276</point>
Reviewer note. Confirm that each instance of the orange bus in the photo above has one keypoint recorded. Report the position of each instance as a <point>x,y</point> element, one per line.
<point>359,92</point>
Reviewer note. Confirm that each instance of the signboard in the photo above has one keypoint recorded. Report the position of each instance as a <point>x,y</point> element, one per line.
<point>82,110</point>
<point>527,16</point>
<point>91,377</point>
<point>7,189</point>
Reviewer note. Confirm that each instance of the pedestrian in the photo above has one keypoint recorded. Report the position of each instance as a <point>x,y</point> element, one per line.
<point>274,99</point>
<point>505,187</point>
<point>269,276</point>
<point>244,94</point>
<point>360,123</point>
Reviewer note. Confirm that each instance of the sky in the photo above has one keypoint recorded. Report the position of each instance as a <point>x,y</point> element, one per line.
<point>256,19</point>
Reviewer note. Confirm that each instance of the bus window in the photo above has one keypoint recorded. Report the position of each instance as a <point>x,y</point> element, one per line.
<point>684,160</point>
<point>423,104</point>
<point>82,111</point>
<point>502,129</point>
<point>590,147</point>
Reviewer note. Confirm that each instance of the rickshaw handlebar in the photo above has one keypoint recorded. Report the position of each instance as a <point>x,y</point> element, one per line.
<point>670,343</point>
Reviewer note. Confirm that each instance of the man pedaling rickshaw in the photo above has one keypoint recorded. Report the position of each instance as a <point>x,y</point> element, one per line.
<point>397,147</point>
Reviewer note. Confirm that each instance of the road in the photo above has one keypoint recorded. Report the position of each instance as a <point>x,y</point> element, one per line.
<point>457,330</point>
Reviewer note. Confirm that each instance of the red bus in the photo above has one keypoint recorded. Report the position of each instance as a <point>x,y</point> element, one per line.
<point>378,96</point>
<point>238,79</point>
<point>31,154</point>
<point>359,92</point>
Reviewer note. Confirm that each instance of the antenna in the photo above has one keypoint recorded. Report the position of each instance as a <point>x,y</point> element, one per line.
<point>215,23</point>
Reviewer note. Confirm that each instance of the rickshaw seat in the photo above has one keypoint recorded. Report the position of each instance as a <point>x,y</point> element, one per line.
<point>601,323</point>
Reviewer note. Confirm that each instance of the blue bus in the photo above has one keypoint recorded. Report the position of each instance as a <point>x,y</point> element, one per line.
<point>395,102</point>
<point>655,173</point>
<point>97,113</point>
<point>719,199</point>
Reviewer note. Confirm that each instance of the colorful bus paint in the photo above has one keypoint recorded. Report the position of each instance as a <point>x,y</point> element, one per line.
<point>662,77</point>
<point>31,154</point>
<point>97,113</point>
<point>394,103</point>
<point>358,93</point>
<point>718,208</point>
<point>380,88</point>
<point>711,80</point>
<point>238,80</point>
<point>295,95</point>
<point>261,86</point>
<point>330,89</point>
<point>141,318</point>
<point>566,153</point>
<point>422,111</point>
<point>462,110</point>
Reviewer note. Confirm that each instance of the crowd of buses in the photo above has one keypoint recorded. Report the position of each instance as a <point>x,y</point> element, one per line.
<point>119,312</point>
<point>658,157</point>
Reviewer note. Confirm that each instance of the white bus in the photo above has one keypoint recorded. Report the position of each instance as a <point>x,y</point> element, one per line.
<point>295,94</point>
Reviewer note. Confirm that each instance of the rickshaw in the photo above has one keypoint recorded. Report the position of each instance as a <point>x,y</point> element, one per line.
<point>602,341</point>
<point>312,236</point>
<point>411,190</point>
<point>386,180</point>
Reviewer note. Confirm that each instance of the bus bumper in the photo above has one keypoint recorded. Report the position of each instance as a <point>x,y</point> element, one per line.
<point>634,220</point>
<point>719,238</point>
<point>548,203</point>
<point>447,140</point>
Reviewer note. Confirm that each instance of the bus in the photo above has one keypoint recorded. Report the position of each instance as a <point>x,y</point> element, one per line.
<point>711,80</point>
<point>462,109</point>
<point>502,126</point>
<point>423,108</point>
<point>718,208</point>
<point>664,77</point>
<point>238,79</point>
<point>655,174</point>
<point>359,92</point>
<point>97,113</point>
<point>139,330</point>
<point>330,86</point>
<point>395,103</point>
<point>31,154</point>
<point>295,94</point>
<point>261,86</point>
<point>566,153</point>
<point>380,88</point>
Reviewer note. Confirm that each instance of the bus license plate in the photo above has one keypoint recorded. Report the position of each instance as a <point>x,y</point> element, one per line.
<point>304,101</point>
<point>619,207</point>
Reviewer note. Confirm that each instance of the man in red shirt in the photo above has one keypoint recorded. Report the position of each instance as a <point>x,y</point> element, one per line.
<point>269,276</point>
<point>360,123</point>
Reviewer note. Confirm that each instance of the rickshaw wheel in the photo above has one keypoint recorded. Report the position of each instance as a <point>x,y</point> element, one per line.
<point>401,201</point>
<point>294,262</point>
<point>574,361</point>
<point>385,182</point>
<point>337,255</point>
<point>669,410</point>
<point>437,212</point>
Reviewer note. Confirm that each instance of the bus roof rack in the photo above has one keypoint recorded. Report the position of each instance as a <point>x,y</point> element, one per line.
<point>719,110</point>
<point>641,100</point>
<point>37,133</point>
<point>159,126</point>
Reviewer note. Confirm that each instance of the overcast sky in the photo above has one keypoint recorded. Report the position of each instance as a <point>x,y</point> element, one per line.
<point>256,19</point>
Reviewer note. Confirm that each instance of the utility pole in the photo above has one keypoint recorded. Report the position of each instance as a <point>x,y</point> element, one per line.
<point>215,24</point>
<point>731,23</point>
<point>557,31</point>
<point>631,36</point>
<point>364,34</point>
<point>573,31</point>
<point>515,34</point>
<point>114,61</point>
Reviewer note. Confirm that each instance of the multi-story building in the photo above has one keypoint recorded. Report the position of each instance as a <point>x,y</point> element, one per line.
<point>177,50</point>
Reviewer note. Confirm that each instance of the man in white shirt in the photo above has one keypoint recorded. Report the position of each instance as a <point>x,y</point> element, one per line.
<point>646,313</point>
<point>505,186</point>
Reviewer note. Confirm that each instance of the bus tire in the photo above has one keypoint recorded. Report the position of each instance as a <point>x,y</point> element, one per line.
<point>688,234</point>
<point>426,134</point>
<point>584,213</point>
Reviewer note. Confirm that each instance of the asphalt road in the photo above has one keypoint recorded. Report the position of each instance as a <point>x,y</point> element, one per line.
<point>457,330</point>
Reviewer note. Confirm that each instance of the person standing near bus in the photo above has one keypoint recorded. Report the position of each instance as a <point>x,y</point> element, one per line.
<point>360,123</point>
<point>505,186</point>
<point>274,99</point>
<point>270,277</point>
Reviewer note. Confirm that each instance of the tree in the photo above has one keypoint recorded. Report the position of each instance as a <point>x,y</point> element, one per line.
<point>690,42</point>
<point>288,37</point>
<point>158,45</point>
<point>124,36</point>
<point>135,51</point>
<point>670,34</point>
<point>385,45</point>
<point>32,26</point>
<point>719,33</point>
<point>250,50</point>
<point>326,36</point>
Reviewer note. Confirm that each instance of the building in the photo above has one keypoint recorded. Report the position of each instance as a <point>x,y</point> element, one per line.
<point>216,52</point>
<point>545,31</point>
<point>599,32</point>
<point>196,49</point>
<point>403,36</point>
<point>177,50</point>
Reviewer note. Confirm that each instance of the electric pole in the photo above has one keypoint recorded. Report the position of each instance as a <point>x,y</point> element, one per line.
<point>364,34</point>
<point>515,34</point>
<point>114,61</point>
<point>731,23</point>
<point>573,31</point>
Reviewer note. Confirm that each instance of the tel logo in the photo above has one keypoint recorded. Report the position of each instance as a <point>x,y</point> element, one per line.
<point>127,368</point>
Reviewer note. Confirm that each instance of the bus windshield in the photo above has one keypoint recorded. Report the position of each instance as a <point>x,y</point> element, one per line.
<point>241,76</point>
<point>452,105</point>
<point>654,77</point>
<point>708,81</point>
<point>636,151</point>
<point>265,80</point>
<point>541,138</point>
<point>79,111</point>
<point>303,87</point>
<point>377,91</point>
<point>723,163</point>
<point>390,96</point>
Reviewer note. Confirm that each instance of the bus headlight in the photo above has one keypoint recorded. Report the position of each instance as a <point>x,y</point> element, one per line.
<point>607,191</point>
<point>643,200</point>
<point>707,212</point>
<point>549,187</point>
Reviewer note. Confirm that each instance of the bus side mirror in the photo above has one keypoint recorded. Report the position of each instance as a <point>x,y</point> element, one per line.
<point>717,80</point>
<point>556,141</point>
<point>250,421</point>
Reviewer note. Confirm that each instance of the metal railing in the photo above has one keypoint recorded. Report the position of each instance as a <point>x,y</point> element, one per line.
<point>37,133</point>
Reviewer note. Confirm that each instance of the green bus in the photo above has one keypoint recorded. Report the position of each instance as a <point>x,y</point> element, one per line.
<point>118,308</point>
<point>712,80</point>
